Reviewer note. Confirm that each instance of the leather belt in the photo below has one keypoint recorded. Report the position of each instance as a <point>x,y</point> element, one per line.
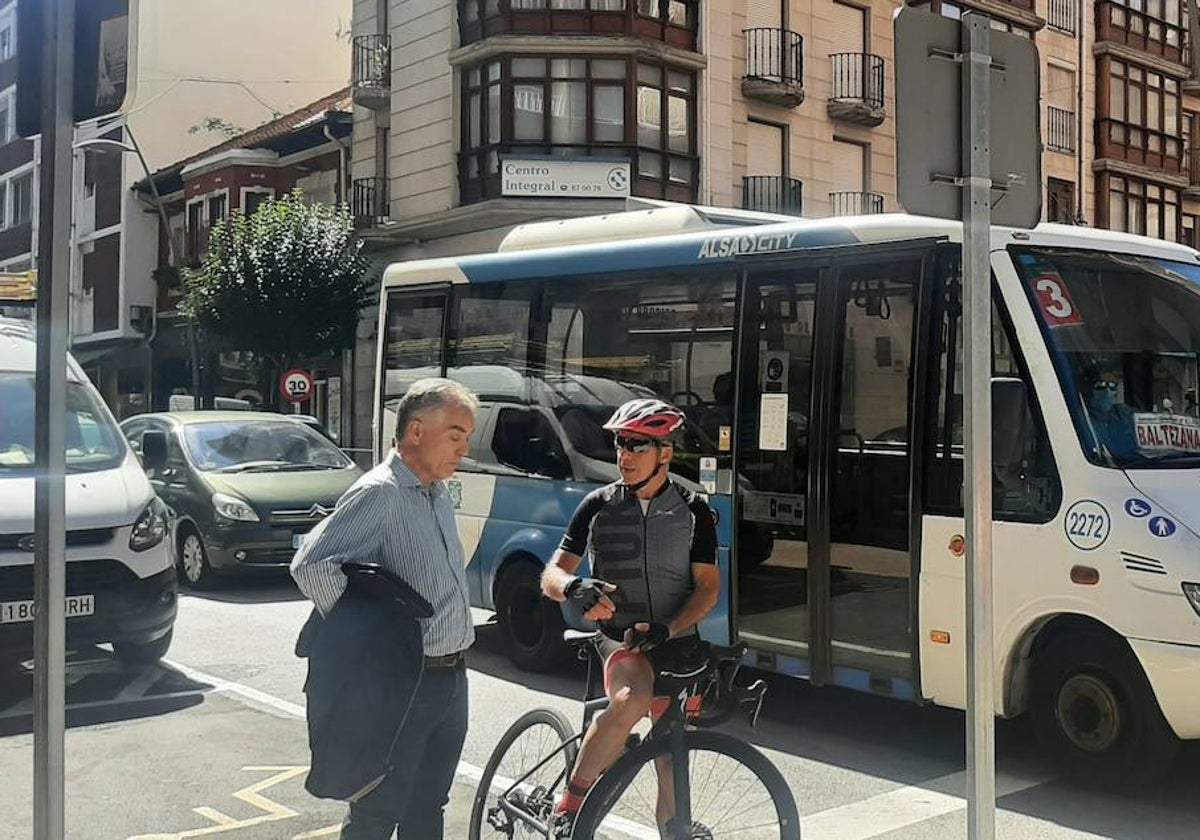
<point>450,660</point>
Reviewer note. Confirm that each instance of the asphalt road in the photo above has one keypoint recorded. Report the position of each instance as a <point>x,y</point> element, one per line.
<point>212,744</point>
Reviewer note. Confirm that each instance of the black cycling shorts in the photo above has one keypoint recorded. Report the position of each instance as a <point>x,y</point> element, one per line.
<point>676,662</point>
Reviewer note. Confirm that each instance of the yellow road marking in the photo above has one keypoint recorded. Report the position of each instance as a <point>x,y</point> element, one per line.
<point>320,832</point>
<point>252,795</point>
<point>215,815</point>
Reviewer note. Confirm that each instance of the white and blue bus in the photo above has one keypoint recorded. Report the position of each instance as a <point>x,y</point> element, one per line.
<point>819,363</point>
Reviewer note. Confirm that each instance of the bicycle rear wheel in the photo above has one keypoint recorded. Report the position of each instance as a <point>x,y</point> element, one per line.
<point>524,777</point>
<point>736,792</point>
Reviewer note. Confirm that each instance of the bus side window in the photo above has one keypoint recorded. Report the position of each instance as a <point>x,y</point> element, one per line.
<point>1025,484</point>
<point>525,440</point>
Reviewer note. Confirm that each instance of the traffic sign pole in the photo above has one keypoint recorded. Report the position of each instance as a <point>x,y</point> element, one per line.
<point>977,346</point>
<point>49,511</point>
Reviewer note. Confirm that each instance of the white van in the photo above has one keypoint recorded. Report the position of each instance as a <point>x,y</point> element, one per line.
<point>120,579</point>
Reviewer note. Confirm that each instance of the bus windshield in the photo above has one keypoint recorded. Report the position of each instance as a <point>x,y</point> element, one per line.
<point>1124,332</point>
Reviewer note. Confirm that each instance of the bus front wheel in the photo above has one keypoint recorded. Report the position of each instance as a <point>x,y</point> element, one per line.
<point>1094,710</point>
<point>531,625</point>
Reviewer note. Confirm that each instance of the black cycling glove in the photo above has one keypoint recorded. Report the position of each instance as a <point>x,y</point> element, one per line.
<point>649,639</point>
<point>586,592</point>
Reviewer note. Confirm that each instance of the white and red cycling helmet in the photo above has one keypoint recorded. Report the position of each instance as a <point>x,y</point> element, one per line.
<point>653,418</point>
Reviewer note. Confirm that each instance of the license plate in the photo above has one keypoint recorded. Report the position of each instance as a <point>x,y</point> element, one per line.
<point>15,612</point>
<point>298,540</point>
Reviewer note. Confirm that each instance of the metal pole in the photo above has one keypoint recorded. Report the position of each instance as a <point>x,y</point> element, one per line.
<point>977,219</point>
<point>49,560</point>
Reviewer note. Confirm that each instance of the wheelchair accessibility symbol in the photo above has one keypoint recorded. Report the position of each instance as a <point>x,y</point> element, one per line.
<point>1160,526</point>
<point>1137,508</point>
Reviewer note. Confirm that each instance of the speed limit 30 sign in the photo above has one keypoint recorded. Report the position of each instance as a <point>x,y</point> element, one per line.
<point>296,385</point>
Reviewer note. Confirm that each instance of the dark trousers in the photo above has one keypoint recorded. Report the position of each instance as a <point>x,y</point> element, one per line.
<point>413,796</point>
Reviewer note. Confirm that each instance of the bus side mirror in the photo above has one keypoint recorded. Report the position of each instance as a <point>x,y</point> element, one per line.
<point>154,450</point>
<point>1011,421</point>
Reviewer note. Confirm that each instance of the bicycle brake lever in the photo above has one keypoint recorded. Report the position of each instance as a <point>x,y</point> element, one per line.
<point>750,699</point>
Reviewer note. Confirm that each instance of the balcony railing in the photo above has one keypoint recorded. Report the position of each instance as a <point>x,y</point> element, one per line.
<point>372,67</point>
<point>773,194</point>
<point>1063,15</point>
<point>774,66</point>
<point>1137,144</point>
<point>1060,130</point>
<point>1117,22</point>
<point>369,201</point>
<point>856,203</point>
<point>857,92</point>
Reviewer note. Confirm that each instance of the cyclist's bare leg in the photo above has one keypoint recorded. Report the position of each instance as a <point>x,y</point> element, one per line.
<point>665,807</point>
<point>630,688</point>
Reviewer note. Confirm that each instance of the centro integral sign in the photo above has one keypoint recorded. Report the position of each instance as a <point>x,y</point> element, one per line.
<point>586,178</point>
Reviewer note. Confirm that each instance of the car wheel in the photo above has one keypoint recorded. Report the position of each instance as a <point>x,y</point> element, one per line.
<point>194,569</point>
<point>1093,709</point>
<point>532,626</point>
<point>143,653</point>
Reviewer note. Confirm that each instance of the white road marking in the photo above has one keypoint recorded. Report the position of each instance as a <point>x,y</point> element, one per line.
<point>860,820</point>
<point>229,687</point>
<point>903,807</point>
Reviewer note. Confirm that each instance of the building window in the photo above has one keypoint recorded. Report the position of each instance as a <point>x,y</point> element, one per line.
<point>1142,207</point>
<point>197,236</point>
<point>578,107</point>
<point>216,208</point>
<point>1060,201</point>
<point>8,32</point>
<point>22,199</point>
<point>1154,26</point>
<point>7,115</point>
<point>671,21</point>
<point>1142,122</point>
<point>253,199</point>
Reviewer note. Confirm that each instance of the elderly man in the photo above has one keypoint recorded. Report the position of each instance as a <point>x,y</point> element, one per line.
<point>399,516</point>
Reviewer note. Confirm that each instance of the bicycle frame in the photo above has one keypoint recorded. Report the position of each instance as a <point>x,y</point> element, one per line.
<point>671,725</point>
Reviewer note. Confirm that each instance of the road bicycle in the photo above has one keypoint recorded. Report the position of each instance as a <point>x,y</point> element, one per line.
<point>723,786</point>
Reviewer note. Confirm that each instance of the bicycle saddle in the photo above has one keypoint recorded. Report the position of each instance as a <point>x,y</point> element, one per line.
<point>374,581</point>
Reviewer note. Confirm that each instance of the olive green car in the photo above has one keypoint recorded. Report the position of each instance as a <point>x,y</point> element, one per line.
<point>246,486</point>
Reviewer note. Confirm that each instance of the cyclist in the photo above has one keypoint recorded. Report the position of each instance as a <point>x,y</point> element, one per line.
<point>653,551</point>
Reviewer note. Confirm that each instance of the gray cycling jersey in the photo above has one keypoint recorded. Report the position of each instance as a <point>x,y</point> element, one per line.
<point>647,556</point>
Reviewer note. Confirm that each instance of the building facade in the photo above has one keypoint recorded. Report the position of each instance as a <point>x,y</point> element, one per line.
<point>778,105</point>
<point>306,150</point>
<point>185,101</point>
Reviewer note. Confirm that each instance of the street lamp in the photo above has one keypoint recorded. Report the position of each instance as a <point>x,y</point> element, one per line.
<point>172,257</point>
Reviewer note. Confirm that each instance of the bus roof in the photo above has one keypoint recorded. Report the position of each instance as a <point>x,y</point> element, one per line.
<point>608,247</point>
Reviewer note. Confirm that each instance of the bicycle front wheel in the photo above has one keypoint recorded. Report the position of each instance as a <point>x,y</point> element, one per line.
<point>735,792</point>
<point>524,777</point>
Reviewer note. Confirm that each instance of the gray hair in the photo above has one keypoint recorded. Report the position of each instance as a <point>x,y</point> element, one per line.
<point>430,394</point>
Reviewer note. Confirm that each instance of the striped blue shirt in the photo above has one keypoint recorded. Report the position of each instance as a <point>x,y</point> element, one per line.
<point>388,517</point>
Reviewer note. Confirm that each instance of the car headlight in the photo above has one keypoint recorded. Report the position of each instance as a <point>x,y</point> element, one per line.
<point>1192,591</point>
<point>231,507</point>
<point>150,527</point>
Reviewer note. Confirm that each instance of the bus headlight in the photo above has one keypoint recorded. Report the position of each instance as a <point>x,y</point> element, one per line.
<point>150,527</point>
<point>1192,591</point>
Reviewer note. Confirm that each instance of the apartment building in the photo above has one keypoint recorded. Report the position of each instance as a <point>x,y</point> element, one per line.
<point>779,105</point>
<point>306,150</point>
<point>205,72</point>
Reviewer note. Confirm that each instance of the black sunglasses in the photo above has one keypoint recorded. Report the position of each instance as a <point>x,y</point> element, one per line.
<point>1104,384</point>
<point>634,445</point>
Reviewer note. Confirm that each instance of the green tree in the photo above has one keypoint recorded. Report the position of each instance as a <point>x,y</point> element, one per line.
<point>284,283</point>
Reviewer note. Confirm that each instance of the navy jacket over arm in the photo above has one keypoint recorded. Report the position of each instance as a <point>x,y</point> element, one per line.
<point>364,666</point>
